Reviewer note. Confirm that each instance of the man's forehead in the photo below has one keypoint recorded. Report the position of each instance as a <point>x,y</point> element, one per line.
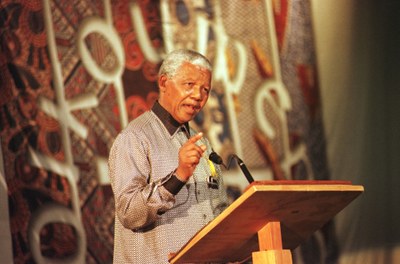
<point>187,66</point>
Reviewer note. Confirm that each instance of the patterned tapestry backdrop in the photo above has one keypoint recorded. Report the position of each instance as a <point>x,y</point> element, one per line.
<point>74,73</point>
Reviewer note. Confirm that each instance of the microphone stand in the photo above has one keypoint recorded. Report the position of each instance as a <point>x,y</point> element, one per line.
<point>242,167</point>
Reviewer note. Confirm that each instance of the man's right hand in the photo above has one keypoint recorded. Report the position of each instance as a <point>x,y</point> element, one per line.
<point>189,157</point>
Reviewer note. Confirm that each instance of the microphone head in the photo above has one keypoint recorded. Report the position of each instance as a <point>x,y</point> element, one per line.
<point>214,157</point>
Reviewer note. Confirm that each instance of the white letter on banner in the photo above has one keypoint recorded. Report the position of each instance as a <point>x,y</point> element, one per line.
<point>103,27</point>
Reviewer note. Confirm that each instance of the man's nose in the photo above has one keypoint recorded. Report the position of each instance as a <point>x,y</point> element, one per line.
<point>196,92</point>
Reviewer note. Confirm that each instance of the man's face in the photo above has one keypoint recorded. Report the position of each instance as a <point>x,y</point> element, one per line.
<point>185,94</point>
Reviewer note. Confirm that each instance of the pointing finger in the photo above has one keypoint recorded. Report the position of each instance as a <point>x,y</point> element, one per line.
<point>196,137</point>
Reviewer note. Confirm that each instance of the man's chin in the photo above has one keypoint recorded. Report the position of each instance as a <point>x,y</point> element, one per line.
<point>188,117</point>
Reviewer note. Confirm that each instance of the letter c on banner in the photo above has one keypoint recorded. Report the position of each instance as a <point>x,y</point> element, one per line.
<point>279,107</point>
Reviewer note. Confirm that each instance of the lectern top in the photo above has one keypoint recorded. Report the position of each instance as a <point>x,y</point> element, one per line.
<point>301,207</point>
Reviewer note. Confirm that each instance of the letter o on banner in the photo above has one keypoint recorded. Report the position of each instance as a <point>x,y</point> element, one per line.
<point>98,25</point>
<point>54,213</point>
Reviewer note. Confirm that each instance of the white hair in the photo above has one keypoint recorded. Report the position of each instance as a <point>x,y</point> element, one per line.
<point>176,58</point>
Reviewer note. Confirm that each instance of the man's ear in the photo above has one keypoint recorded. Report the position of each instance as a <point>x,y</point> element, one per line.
<point>162,83</point>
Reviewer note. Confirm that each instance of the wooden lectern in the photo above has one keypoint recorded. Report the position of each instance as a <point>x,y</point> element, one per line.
<point>267,221</point>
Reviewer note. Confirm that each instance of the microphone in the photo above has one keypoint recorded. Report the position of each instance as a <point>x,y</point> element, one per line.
<point>214,157</point>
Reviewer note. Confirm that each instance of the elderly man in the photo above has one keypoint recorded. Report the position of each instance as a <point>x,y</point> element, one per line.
<point>165,188</point>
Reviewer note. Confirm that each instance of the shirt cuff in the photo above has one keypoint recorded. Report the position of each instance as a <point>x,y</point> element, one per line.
<point>173,184</point>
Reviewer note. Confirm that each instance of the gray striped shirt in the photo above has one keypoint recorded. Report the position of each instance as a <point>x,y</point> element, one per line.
<point>150,221</point>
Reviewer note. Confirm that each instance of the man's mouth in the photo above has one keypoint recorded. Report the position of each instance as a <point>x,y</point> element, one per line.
<point>191,107</point>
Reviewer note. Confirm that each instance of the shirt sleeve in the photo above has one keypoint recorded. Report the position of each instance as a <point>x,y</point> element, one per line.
<point>139,201</point>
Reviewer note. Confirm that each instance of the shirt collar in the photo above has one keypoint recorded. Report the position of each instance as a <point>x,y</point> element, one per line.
<point>166,118</point>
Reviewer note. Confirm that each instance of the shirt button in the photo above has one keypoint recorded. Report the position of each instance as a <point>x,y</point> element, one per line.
<point>198,192</point>
<point>204,216</point>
